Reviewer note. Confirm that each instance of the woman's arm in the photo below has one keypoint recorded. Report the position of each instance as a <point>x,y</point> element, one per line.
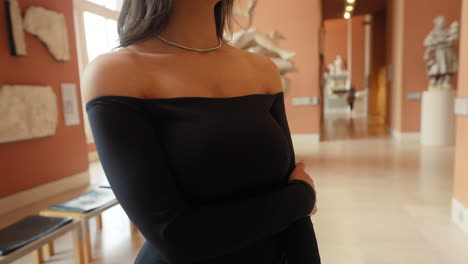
<point>138,171</point>
<point>299,238</point>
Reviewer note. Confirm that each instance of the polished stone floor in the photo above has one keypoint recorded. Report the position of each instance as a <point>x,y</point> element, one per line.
<point>348,126</point>
<point>380,202</point>
<point>385,203</point>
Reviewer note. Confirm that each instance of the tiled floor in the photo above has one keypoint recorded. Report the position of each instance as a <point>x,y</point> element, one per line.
<point>379,202</point>
<point>347,126</point>
<point>382,202</point>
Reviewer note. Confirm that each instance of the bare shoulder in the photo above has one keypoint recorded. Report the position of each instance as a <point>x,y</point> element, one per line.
<point>267,70</point>
<point>112,73</point>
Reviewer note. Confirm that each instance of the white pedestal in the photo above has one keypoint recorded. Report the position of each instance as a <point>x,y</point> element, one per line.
<point>438,118</point>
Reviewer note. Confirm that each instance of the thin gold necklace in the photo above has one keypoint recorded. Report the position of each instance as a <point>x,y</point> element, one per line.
<point>188,48</point>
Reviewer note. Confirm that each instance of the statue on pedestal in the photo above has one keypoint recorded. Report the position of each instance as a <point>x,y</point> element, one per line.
<point>337,68</point>
<point>337,79</point>
<point>440,54</point>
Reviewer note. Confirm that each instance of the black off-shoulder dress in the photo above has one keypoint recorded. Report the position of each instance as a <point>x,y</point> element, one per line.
<point>205,179</point>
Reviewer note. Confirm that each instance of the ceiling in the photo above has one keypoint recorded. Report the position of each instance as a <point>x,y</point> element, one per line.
<point>335,8</point>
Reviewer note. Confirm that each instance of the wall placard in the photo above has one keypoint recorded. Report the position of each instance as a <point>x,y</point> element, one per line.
<point>71,111</point>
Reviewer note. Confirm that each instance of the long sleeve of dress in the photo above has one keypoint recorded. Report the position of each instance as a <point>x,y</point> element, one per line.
<point>299,238</point>
<point>138,172</point>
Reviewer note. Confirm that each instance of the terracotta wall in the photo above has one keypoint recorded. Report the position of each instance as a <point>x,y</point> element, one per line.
<point>412,22</point>
<point>358,47</point>
<point>461,147</point>
<point>30,163</point>
<point>300,22</point>
<point>335,40</point>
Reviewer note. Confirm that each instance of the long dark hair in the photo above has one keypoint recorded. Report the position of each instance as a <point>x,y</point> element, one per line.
<point>143,19</point>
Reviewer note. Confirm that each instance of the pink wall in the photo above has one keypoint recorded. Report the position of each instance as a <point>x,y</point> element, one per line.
<point>27,164</point>
<point>412,21</point>
<point>358,52</point>
<point>336,40</point>
<point>461,147</point>
<point>300,22</point>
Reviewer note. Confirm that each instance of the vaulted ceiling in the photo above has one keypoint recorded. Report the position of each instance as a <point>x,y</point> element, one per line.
<point>335,8</point>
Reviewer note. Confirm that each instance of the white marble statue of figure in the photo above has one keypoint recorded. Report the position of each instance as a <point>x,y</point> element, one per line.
<point>440,54</point>
<point>254,41</point>
<point>339,66</point>
<point>336,78</point>
<point>260,43</point>
<point>331,69</point>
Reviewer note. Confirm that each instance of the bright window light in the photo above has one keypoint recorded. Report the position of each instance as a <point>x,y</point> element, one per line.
<point>101,34</point>
<point>111,4</point>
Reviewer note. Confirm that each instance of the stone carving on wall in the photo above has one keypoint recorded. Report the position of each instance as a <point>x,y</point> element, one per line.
<point>440,53</point>
<point>50,27</point>
<point>255,41</point>
<point>16,29</point>
<point>27,112</point>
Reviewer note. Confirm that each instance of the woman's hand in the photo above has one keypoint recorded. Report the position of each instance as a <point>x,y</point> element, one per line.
<point>300,174</point>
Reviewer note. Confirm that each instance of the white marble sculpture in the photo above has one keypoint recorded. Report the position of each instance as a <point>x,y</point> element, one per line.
<point>337,78</point>
<point>17,29</point>
<point>254,41</point>
<point>331,69</point>
<point>50,27</point>
<point>339,66</point>
<point>248,12</point>
<point>27,112</point>
<point>440,54</point>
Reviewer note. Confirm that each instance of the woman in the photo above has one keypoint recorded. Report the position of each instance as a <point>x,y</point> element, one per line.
<point>193,138</point>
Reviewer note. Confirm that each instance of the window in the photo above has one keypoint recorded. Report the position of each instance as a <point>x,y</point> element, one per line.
<point>96,27</point>
<point>96,33</point>
<point>100,33</point>
<point>111,4</point>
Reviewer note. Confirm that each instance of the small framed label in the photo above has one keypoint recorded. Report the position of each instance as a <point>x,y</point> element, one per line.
<point>414,96</point>
<point>71,111</point>
<point>305,100</point>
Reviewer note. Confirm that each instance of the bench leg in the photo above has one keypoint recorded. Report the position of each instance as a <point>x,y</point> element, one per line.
<point>89,252</point>
<point>49,249</point>
<point>133,227</point>
<point>99,222</point>
<point>86,241</point>
<point>78,247</point>
<point>38,257</point>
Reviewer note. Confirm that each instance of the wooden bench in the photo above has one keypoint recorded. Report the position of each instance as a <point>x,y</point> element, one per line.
<point>84,217</point>
<point>34,240</point>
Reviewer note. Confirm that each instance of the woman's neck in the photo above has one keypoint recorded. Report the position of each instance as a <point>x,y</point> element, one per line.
<point>192,23</point>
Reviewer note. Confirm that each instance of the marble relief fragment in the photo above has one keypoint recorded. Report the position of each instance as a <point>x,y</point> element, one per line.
<point>50,27</point>
<point>27,112</point>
